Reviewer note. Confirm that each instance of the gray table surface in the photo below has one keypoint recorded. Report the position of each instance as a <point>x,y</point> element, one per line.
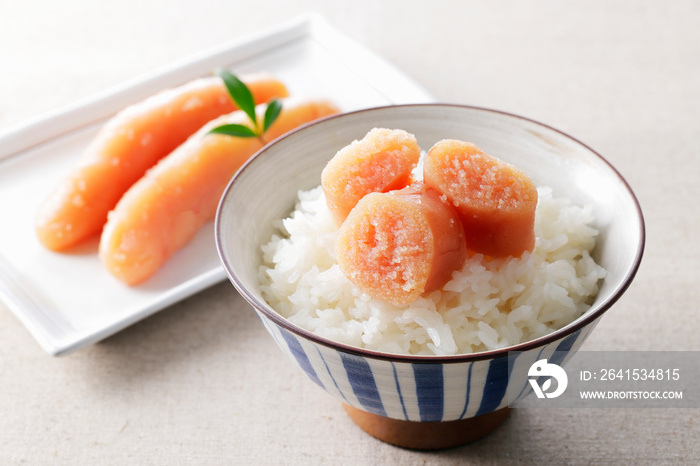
<point>202,383</point>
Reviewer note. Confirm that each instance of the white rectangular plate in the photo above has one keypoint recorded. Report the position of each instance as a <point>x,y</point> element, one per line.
<point>69,300</point>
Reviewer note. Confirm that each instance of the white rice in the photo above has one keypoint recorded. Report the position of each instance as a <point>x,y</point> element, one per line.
<point>489,304</point>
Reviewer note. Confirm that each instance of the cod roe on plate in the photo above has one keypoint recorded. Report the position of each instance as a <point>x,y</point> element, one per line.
<point>127,146</point>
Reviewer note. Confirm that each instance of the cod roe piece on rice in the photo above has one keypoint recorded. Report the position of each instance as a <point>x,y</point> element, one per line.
<point>495,200</point>
<point>401,244</point>
<point>381,161</point>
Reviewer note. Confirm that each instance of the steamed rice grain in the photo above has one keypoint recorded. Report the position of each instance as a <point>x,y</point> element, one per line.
<point>487,305</point>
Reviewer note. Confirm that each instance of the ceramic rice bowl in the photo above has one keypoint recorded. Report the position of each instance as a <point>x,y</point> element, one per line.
<point>426,402</point>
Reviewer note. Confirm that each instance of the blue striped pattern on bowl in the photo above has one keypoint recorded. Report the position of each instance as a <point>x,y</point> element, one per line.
<point>413,391</point>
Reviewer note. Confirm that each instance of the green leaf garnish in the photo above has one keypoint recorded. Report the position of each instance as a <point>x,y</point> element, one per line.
<point>271,113</point>
<point>240,131</point>
<point>239,93</point>
<point>243,98</point>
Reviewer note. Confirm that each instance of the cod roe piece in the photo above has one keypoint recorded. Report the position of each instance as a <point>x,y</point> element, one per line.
<point>495,200</point>
<point>381,161</point>
<point>163,210</point>
<point>130,143</point>
<point>398,245</point>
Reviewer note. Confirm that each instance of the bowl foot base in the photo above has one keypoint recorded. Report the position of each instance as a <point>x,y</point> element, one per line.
<point>427,435</point>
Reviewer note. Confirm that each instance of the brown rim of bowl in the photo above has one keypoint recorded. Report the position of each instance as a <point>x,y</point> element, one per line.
<point>576,325</point>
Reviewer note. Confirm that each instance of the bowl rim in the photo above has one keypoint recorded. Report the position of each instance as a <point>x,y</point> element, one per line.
<point>581,322</point>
